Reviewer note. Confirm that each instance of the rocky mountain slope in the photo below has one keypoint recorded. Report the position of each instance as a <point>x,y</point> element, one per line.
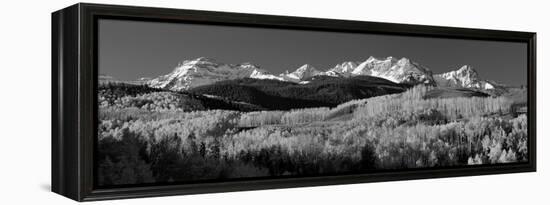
<point>204,71</point>
<point>464,77</point>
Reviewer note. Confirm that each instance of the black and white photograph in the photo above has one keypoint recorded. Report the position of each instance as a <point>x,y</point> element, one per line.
<point>190,103</point>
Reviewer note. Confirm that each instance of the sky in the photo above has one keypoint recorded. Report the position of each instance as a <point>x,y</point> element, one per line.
<point>129,50</point>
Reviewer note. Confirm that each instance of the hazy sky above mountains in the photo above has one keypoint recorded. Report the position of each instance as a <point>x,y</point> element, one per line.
<point>131,49</point>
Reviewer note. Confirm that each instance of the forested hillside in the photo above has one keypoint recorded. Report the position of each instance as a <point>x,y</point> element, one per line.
<point>121,96</point>
<point>319,91</point>
<point>149,135</point>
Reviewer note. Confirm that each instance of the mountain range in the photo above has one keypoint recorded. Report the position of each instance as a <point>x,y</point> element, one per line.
<point>203,71</point>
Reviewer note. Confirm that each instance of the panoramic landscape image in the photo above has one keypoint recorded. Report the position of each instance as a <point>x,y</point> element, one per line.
<point>187,103</point>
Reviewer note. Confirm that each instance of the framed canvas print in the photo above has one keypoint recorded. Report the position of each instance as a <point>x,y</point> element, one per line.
<point>154,102</point>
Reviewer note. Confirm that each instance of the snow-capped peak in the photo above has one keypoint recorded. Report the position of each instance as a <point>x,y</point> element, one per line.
<point>341,70</point>
<point>305,68</point>
<point>399,71</point>
<point>371,59</point>
<point>203,59</point>
<point>202,71</point>
<point>466,76</point>
<point>303,72</point>
<point>306,71</point>
<point>467,70</point>
<point>345,67</point>
<point>197,61</point>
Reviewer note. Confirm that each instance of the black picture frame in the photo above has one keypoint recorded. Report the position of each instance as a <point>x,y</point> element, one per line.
<point>74,99</point>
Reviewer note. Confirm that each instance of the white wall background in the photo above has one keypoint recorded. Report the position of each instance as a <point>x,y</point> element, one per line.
<point>25,90</point>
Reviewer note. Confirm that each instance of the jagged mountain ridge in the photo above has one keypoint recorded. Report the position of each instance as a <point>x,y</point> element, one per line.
<point>303,72</point>
<point>396,70</point>
<point>344,69</point>
<point>204,71</point>
<point>464,77</point>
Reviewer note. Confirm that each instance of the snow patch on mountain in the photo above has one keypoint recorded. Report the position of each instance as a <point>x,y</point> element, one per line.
<point>260,74</point>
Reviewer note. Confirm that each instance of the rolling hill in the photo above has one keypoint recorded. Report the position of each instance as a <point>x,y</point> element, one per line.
<point>448,92</point>
<point>320,91</point>
<point>123,95</point>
